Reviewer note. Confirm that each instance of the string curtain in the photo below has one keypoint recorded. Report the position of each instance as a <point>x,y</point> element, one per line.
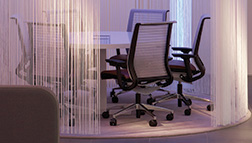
<point>72,70</point>
<point>53,43</point>
<point>229,61</point>
<point>181,11</point>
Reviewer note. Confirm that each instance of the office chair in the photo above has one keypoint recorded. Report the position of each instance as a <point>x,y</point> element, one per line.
<point>137,16</point>
<point>148,52</point>
<point>41,54</point>
<point>44,47</point>
<point>185,71</point>
<point>30,114</point>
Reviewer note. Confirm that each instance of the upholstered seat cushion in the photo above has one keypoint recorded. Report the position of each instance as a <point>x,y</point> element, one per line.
<point>179,66</point>
<point>112,74</point>
<point>122,57</point>
<point>175,65</point>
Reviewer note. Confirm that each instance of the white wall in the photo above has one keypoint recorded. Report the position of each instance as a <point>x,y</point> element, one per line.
<point>249,37</point>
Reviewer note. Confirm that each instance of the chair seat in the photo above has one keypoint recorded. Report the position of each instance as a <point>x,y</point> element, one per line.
<point>112,74</point>
<point>179,66</point>
<point>122,57</point>
<point>175,65</point>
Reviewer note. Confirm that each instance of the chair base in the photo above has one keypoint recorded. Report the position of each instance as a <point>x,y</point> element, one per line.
<point>114,95</point>
<point>141,109</point>
<point>185,98</point>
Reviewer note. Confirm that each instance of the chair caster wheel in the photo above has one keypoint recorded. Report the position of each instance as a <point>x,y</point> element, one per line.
<point>113,122</point>
<point>153,123</point>
<point>150,100</point>
<point>115,99</point>
<point>189,102</point>
<point>210,107</point>
<point>105,114</point>
<point>187,112</point>
<point>169,117</point>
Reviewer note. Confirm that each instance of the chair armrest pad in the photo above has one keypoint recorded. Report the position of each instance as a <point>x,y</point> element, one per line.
<point>182,49</point>
<point>115,62</point>
<point>169,58</point>
<point>183,56</point>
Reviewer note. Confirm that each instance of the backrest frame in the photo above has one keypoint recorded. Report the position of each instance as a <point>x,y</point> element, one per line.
<point>198,34</point>
<point>25,69</point>
<point>60,59</point>
<point>195,47</point>
<point>130,62</point>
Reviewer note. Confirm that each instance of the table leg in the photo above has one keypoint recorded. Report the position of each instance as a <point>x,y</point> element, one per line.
<point>103,83</point>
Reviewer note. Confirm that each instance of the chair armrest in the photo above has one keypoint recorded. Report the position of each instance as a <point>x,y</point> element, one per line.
<point>169,58</point>
<point>123,84</point>
<point>183,56</point>
<point>115,62</point>
<point>182,49</point>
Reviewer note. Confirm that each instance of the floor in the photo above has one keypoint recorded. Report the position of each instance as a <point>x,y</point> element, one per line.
<point>241,133</point>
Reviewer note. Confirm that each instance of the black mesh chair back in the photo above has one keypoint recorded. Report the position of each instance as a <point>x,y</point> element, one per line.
<point>50,50</point>
<point>44,52</point>
<point>196,44</point>
<point>145,16</point>
<point>198,34</point>
<point>148,55</point>
<point>147,60</point>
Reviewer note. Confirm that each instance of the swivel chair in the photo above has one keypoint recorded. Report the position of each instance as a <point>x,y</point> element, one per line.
<point>41,54</point>
<point>137,16</point>
<point>185,71</point>
<point>44,58</point>
<point>148,52</point>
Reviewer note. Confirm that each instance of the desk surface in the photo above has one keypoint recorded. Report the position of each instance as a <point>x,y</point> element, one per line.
<point>108,39</point>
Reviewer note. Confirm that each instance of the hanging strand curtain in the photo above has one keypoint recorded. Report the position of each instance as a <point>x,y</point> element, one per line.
<point>187,14</point>
<point>229,60</point>
<point>200,7</point>
<point>181,11</point>
<point>53,43</point>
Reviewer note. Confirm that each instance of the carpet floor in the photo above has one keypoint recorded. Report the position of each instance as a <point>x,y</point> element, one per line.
<point>128,126</point>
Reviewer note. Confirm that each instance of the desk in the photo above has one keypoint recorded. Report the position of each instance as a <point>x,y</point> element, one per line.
<point>108,40</point>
